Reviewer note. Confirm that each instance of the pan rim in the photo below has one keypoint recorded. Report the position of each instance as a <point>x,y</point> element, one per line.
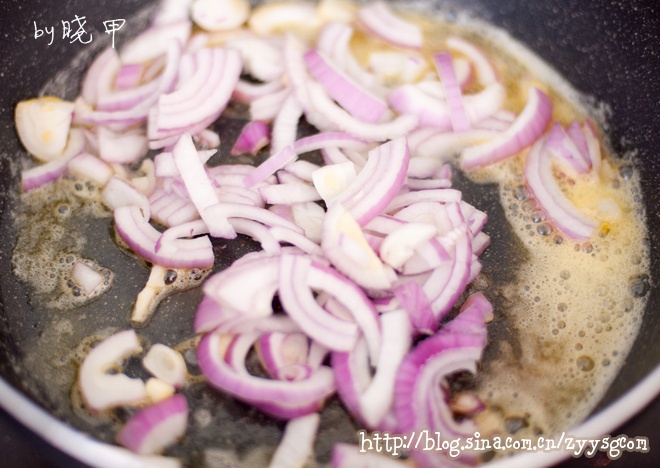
<point>82,447</point>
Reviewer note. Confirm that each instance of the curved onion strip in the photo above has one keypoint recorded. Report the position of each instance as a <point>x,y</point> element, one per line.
<point>277,398</point>
<point>321,104</point>
<point>142,237</point>
<point>299,303</point>
<point>378,19</point>
<point>370,398</point>
<point>540,179</point>
<point>359,102</point>
<point>445,67</point>
<point>102,390</point>
<point>486,73</point>
<point>220,226</point>
<point>100,76</point>
<point>528,126</point>
<point>297,444</point>
<point>378,182</point>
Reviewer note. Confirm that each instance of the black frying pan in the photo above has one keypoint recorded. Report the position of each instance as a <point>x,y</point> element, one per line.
<point>608,50</point>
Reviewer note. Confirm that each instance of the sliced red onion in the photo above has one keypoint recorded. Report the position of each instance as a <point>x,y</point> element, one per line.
<point>565,148</point>
<point>302,169</point>
<point>323,277</point>
<point>118,193</point>
<point>396,67</point>
<point>414,301</point>
<point>334,41</point>
<point>321,104</point>
<point>378,182</point>
<point>45,173</point>
<point>378,19</point>
<point>253,137</point>
<point>359,102</point>
<point>153,428</point>
<point>219,214</point>
<point>154,42</point>
<point>289,193</point>
<point>192,171</point>
<point>128,98</point>
<point>271,165</point>
<point>297,444</point>
<point>99,388</point>
<point>528,127</point>
<point>540,179</point>
<point>284,355</point>
<point>296,239</point>
<point>434,112</point>
<point>329,140</point>
<point>207,139</point>
<point>445,67</point>
<point>486,73</point>
<point>100,76</point>
<point>248,92</point>
<point>129,76</point>
<point>420,402</point>
<point>141,237</point>
<point>440,196</point>
<point>123,148</point>
<point>299,302</point>
<point>227,288</point>
<point>166,364</point>
<point>196,104</point>
<point>267,107</point>
<point>370,398</point>
<point>285,124</point>
<point>281,399</point>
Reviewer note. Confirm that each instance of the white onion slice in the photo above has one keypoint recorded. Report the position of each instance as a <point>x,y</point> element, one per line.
<point>86,277</point>
<point>378,19</point>
<point>102,390</point>
<point>527,128</point>
<point>297,444</point>
<point>540,178</point>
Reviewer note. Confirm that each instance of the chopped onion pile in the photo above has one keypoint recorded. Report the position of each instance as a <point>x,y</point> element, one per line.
<point>368,254</point>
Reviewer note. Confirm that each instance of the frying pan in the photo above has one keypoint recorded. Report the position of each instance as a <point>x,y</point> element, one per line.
<point>607,50</point>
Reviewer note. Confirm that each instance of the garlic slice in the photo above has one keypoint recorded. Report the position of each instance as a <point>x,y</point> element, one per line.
<point>166,364</point>
<point>43,126</point>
